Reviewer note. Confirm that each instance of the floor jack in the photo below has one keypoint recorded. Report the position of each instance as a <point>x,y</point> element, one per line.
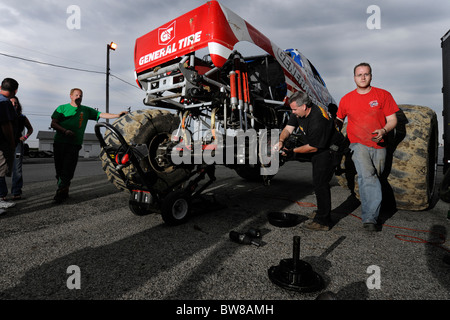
<point>174,202</point>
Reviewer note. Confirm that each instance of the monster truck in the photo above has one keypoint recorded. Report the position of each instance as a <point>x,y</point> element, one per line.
<point>219,108</point>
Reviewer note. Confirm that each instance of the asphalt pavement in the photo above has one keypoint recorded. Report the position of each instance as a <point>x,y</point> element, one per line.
<point>93,248</point>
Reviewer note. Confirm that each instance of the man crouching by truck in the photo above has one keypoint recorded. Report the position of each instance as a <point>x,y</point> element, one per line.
<point>323,142</point>
<point>70,120</point>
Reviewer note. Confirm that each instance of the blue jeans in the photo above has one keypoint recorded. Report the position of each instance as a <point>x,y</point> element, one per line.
<point>17,179</point>
<point>369,163</point>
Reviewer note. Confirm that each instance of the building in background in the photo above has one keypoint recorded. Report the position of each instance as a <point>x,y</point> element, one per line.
<point>89,149</point>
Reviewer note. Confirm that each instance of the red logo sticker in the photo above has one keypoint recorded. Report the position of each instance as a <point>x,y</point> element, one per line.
<point>165,35</point>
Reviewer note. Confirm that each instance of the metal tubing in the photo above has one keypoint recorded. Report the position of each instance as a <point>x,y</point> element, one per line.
<point>296,252</point>
<point>240,97</point>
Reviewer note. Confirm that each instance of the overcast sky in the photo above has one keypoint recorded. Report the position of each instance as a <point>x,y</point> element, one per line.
<point>404,50</point>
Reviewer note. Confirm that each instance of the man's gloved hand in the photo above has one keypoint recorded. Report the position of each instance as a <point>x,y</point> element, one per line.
<point>288,153</point>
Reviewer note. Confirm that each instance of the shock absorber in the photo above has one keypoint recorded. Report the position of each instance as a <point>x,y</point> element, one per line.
<point>233,91</point>
<point>245,91</point>
<point>237,67</point>
<point>249,103</point>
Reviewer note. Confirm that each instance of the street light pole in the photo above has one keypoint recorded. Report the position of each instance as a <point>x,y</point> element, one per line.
<point>110,46</point>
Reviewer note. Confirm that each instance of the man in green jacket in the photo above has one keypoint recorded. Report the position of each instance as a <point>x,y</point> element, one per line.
<point>70,121</point>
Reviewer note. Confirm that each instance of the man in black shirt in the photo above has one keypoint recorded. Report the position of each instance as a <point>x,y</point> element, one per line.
<point>320,136</point>
<point>8,90</point>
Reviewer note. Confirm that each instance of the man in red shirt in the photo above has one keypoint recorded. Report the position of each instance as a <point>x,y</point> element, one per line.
<point>371,114</point>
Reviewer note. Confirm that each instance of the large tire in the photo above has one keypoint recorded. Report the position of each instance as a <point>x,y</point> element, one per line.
<point>150,127</point>
<point>254,172</point>
<point>249,172</point>
<point>411,163</point>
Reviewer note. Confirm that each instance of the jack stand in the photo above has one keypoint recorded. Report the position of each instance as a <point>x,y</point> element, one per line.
<point>295,274</point>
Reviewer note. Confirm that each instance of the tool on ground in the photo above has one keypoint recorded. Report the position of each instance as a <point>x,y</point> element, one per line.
<point>253,233</point>
<point>242,238</point>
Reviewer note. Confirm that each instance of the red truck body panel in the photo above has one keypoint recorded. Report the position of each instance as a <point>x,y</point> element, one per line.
<point>190,32</point>
<point>215,26</point>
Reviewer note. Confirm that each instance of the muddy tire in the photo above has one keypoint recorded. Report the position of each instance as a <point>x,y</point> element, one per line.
<point>411,163</point>
<point>150,127</point>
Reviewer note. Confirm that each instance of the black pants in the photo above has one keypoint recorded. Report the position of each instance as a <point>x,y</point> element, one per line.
<point>323,166</point>
<point>66,160</point>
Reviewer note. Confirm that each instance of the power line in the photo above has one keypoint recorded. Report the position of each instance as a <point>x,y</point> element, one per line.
<point>50,55</point>
<point>133,85</point>
<point>50,64</point>
<point>65,67</point>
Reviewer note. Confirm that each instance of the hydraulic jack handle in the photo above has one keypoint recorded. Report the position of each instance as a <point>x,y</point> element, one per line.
<point>134,155</point>
<point>112,129</point>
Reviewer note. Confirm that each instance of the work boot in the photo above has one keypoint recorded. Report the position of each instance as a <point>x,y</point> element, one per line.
<point>312,215</point>
<point>372,227</point>
<point>61,194</point>
<point>314,226</point>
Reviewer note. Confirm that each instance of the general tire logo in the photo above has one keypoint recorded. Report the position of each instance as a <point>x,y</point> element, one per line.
<point>166,35</point>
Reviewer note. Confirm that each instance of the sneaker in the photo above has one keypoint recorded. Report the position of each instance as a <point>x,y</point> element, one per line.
<point>6,205</point>
<point>314,226</point>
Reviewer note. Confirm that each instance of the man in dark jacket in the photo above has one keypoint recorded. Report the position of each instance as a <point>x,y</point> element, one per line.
<point>321,139</point>
<point>8,90</point>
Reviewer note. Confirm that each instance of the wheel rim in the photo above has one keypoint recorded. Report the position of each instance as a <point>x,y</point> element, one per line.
<point>180,209</point>
<point>153,152</point>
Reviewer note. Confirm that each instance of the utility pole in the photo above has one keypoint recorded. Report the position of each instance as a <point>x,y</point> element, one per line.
<point>110,46</point>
